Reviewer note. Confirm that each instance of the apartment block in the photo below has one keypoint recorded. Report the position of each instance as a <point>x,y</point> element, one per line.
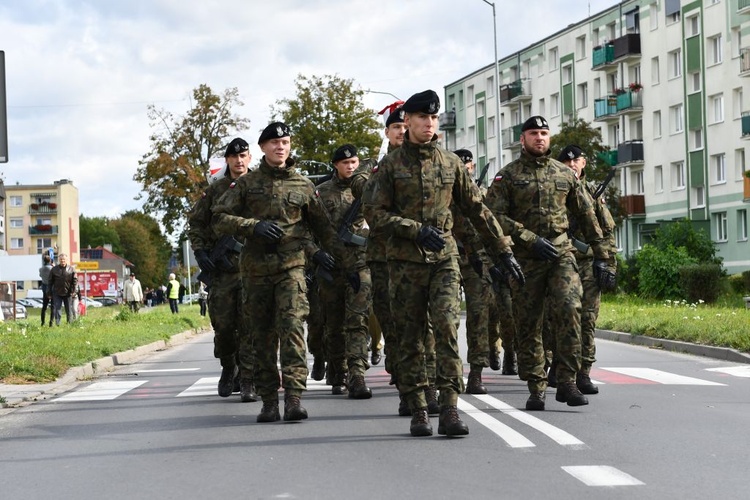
<point>664,81</point>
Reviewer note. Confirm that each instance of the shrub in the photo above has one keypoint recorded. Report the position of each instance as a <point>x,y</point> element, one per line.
<point>746,277</point>
<point>737,283</point>
<point>627,274</point>
<point>682,233</point>
<point>700,282</point>
<point>659,271</point>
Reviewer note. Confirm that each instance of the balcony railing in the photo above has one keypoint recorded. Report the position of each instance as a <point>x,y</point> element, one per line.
<point>447,120</point>
<point>627,45</point>
<point>605,107</point>
<point>743,6</point>
<point>745,60</point>
<point>42,229</point>
<point>629,100</point>
<point>746,124</point>
<point>42,208</point>
<point>630,152</point>
<point>746,188</point>
<point>609,157</point>
<point>633,204</point>
<point>512,135</point>
<point>603,55</point>
<point>515,91</point>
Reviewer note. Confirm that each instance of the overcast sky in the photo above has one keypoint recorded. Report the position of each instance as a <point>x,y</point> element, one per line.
<point>80,73</point>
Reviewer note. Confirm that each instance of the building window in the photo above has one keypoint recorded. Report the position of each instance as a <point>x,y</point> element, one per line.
<point>581,47</point>
<point>42,244</point>
<point>717,108</point>
<point>695,82</point>
<point>700,197</point>
<point>583,95</point>
<point>657,124</point>
<point>491,86</point>
<point>658,179</point>
<point>553,59</point>
<point>719,168</point>
<point>675,119</point>
<point>696,139</point>
<point>15,223</point>
<point>540,65</point>
<point>492,126</point>
<point>739,163</point>
<point>480,109</point>
<point>675,63</point>
<point>16,201</point>
<point>16,243</point>
<point>460,99</point>
<point>472,135</point>
<point>470,95</point>
<point>638,185</point>
<point>692,26</point>
<point>555,105</point>
<point>653,16</point>
<point>678,175</point>
<point>737,107</point>
<point>654,71</point>
<point>742,225</point>
<point>542,108</point>
<point>567,74</point>
<point>720,226</point>
<point>715,47</point>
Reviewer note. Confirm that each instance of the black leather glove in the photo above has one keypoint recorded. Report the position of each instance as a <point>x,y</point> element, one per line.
<point>544,249</point>
<point>430,238</point>
<point>509,267</point>
<point>477,264</point>
<point>605,278</point>
<point>204,261</point>
<point>324,260</point>
<point>354,281</point>
<point>268,230</point>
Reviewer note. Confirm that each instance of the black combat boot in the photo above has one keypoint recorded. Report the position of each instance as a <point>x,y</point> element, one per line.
<point>475,386</point>
<point>375,357</point>
<point>567,392</point>
<point>450,424</point>
<point>420,423</point>
<point>358,389</point>
<point>403,407</point>
<point>536,401</point>
<point>510,365</point>
<point>552,375</point>
<point>247,391</point>
<point>338,382</point>
<point>270,410</point>
<point>584,383</point>
<point>226,380</point>
<point>494,358</point>
<point>318,369</point>
<point>293,409</point>
<point>430,394</point>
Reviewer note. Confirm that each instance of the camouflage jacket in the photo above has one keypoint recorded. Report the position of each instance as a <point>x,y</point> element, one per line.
<point>606,223</point>
<point>275,194</point>
<point>336,197</point>
<point>200,230</point>
<point>531,197</point>
<point>415,185</point>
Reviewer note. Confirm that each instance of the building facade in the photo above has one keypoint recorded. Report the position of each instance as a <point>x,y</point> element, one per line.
<point>664,83</point>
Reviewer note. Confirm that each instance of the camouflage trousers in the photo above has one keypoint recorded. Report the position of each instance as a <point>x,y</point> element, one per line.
<point>502,323</point>
<point>315,322</point>
<point>347,316</point>
<point>478,296</point>
<point>553,288</point>
<point>381,305</point>
<point>418,292</point>
<point>276,307</point>
<point>231,338</point>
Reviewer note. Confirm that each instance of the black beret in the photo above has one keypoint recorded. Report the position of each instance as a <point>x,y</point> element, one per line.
<point>396,116</point>
<point>535,122</point>
<point>570,153</point>
<point>344,152</point>
<point>423,102</point>
<point>464,154</point>
<point>274,130</point>
<point>236,147</point>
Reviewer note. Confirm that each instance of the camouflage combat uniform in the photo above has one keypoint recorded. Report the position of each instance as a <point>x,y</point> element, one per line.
<point>415,186</point>
<point>531,197</point>
<point>273,274</point>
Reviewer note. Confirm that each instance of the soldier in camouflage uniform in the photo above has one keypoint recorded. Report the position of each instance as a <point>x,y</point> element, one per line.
<point>411,199</point>
<point>531,198</point>
<point>231,339</point>
<point>347,298</point>
<point>316,317</point>
<point>574,158</point>
<point>274,208</point>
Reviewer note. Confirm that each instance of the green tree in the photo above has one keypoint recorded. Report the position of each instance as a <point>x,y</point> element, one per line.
<point>97,231</point>
<point>173,173</point>
<point>682,234</point>
<point>326,113</point>
<point>142,247</point>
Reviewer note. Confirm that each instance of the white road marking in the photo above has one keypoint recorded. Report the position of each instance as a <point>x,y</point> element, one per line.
<point>660,377</point>
<point>601,475</point>
<point>513,438</point>
<point>102,391</point>
<point>206,386</point>
<point>737,371</point>
<point>167,370</point>
<point>549,430</point>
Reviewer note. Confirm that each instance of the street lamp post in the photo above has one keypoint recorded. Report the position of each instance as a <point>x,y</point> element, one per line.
<point>368,91</point>
<point>497,93</point>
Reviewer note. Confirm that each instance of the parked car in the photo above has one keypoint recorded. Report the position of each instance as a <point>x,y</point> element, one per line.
<point>91,302</point>
<point>7,308</point>
<point>27,302</point>
<point>106,301</point>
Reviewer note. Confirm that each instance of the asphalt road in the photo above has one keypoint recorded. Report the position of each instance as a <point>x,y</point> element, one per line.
<point>664,425</point>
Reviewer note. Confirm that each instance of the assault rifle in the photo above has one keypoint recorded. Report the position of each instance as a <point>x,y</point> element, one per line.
<point>345,233</point>
<point>220,257</point>
<point>578,244</point>
<point>483,174</point>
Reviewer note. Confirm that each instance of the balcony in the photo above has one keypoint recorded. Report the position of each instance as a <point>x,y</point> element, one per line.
<point>627,47</point>
<point>609,157</point>
<point>630,101</point>
<point>746,188</point>
<point>39,229</point>
<point>605,108</point>
<point>743,6</point>
<point>745,60</point>
<point>633,204</point>
<point>447,120</point>
<point>745,125</point>
<point>520,90</point>
<point>42,208</point>
<point>603,55</point>
<point>512,136</point>
<point>630,152</point>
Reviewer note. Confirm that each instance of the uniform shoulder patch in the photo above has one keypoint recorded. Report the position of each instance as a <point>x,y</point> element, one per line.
<point>204,194</point>
<point>498,177</point>
<point>317,193</point>
<point>233,184</point>
<point>374,169</point>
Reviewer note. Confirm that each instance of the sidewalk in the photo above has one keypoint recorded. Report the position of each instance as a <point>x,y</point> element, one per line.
<point>19,395</point>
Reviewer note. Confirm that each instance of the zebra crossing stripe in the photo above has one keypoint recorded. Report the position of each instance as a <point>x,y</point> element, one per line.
<point>514,438</point>
<point>206,386</point>
<point>601,475</point>
<point>660,377</point>
<point>737,371</point>
<point>558,435</point>
<point>102,391</point>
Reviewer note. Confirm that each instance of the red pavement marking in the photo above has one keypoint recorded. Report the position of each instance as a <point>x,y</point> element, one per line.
<point>608,377</point>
